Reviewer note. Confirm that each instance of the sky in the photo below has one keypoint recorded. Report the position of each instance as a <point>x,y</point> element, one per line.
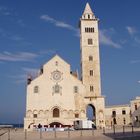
<point>33,31</point>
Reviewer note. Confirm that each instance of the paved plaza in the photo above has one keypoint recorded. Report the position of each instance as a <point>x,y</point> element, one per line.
<point>108,134</point>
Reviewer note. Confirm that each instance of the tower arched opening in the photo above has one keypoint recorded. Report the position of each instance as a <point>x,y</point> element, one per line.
<point>91,113</point>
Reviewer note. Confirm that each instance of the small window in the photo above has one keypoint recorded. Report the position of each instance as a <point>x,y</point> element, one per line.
<point>91,72</point>
<point>76,115</point>
<point>90,42</point>
<point>91,88</point>
<point>136,107</point>
<point>36,89</point>
<point>90,58</point>
<point>88,16</point>
<point>75,89</point>
<point>35,115</point>
<point>123,112</point>
<point>113,113</point>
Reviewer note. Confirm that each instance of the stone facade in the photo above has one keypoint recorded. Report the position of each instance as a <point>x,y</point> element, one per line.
<point>117,115</point>
<point>135,111</point>
<point>123,114</point>
<point>57,96</point>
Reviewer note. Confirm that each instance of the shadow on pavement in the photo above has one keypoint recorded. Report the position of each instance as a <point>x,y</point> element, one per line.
<point>124,136</point>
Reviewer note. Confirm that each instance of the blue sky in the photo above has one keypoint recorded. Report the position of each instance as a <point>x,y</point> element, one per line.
<point>31,32</point>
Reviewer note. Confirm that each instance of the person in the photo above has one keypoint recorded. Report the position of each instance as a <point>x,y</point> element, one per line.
<point>39,126</point>
<point>15,129</point>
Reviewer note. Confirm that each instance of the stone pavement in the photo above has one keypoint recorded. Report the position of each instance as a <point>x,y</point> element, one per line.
<point>71,135</point>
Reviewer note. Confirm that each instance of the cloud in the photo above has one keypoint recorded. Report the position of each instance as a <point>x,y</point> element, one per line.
<point>18,79</point>
<point>57,23</point>
<point>16,38</point>
<point>8,35</point>
<point>21,23</point>
<point>137,40</point>
<point>17,57</point>
<point>4,11</point>
<point>22,78</point>
<point>134,61</point>
<point>33,71</point>
<point>139,81</point>
<point>106,39</point>
<point>131,30</point>
<point>23,56</point>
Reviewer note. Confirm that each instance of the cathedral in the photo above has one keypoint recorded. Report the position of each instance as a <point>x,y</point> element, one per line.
<point>57,96</point>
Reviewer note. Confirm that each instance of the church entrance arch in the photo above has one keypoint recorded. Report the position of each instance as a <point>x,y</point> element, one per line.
<point>91,113</point>
<point>55,124</point>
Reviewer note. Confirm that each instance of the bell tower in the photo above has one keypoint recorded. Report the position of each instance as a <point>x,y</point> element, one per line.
<point>90,66</point>
<point>89,43</point>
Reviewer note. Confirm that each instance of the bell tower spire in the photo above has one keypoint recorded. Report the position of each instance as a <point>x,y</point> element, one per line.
<point>88,13</point>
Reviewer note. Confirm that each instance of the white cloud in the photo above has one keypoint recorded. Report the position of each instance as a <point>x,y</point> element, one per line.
<point>23,56</point>
<point>57,22</point>
<point>18,79</point>
<point>131,30</point>
<point>139,81</point>
<point>106,39</point>
<point>32,71</point>
<point>47,18</point>
<point>17,57</point>
<point>22,78</point>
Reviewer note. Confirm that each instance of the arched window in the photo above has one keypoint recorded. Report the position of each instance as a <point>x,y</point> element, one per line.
<point>55,112</point>
<point>88,16</point>
<point>113,113</point>
<point>123,112</point>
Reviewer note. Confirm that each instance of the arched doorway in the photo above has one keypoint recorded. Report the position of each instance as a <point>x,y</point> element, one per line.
<point>91,113</point>
<point>55,124</point>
